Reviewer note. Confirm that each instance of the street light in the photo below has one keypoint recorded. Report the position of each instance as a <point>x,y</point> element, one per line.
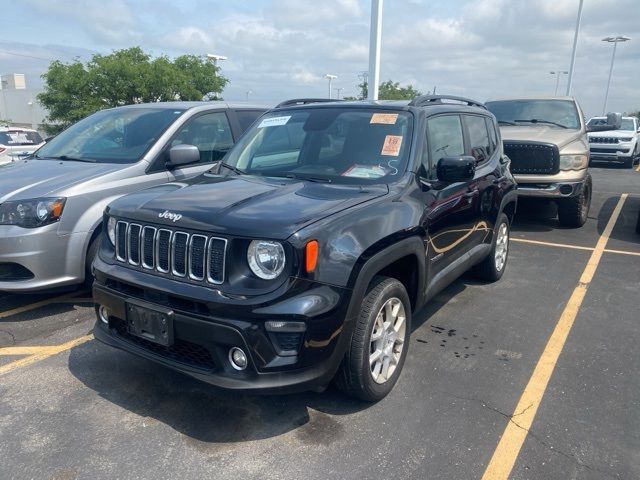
<point>375,39</point>
<point>249,92</point>
<point>557,74</point>
<point>330,77</point>
<point>215,58</point>
<point>339,92</point>
<point>575,47</point>
<point>614,40</point>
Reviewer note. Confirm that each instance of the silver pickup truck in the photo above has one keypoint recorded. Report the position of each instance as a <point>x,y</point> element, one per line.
<point>51,203</point>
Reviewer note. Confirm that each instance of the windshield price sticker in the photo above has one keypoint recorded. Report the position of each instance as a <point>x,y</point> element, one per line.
<point>384,118</point>
<point>392,144</point>
<point>365,171</point>
<point>274,121</point>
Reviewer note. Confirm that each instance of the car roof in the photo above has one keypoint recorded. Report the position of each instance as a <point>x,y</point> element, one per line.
<point>572,99</point>
<point>601,117</point>
<point>16,129</point>
<point>196,105</point>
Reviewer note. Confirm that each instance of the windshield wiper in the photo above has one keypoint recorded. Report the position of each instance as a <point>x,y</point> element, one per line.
<point>70,159</point>
<point>232,168</point>
<point>505,122</point>
<point>536,120</point>
<point>305,177</point>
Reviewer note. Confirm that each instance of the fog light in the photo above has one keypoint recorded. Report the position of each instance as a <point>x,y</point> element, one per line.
<point>238,358</point>
<point>103,313</point>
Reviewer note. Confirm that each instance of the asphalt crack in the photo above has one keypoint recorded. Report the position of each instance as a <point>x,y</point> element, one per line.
<point>510,416</point>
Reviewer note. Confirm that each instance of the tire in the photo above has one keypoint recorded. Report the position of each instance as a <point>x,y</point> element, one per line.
<point>92,251</point>
<point>638,223</point>
<point>493,266</point>
<point>573,211</point>
<point>629,163</point>
<point>355,377</point>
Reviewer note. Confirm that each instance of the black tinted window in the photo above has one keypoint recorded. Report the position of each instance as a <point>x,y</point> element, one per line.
<point>210,132</point>
<point>14,138</point>
<point>479,146</point>
<point>247,117</point>
<point>493,135</point>
<point>445,138</point>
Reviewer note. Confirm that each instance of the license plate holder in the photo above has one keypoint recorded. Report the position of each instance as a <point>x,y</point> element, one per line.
<point>152,324</point>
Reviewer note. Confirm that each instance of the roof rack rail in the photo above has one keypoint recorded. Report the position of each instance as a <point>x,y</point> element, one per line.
<point>424,100</point>
<point>305,101</point>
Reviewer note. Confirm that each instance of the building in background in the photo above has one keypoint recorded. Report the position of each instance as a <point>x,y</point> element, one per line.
<point>19,106</point>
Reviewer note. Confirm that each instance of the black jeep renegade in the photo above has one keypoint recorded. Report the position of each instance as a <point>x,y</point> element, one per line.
<point>301,256</point>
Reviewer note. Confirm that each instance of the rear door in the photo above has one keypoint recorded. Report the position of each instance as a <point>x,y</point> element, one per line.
<point>450,215</point>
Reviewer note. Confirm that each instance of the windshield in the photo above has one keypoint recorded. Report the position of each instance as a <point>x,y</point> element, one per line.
<point>121,135</point>
<point>346,145</point>
<point>15,138</point>
<point>554,113</point>
<point>627,123</point>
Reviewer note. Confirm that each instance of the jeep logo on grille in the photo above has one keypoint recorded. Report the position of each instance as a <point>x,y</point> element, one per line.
<point>174,217</point>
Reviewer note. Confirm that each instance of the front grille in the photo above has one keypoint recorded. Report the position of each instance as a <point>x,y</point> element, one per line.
<point>609,150</point>
<point>533,157</point>
<point>170,252</point>
<point>603,140</point>
<point>181,351</point>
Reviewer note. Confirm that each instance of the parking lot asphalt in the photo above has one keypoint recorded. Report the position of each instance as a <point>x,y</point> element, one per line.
<point>533,377</point>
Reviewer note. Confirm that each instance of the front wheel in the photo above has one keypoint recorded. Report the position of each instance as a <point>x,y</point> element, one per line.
<point>494,265</point>
<point>378,348</point>
<point>573,211</point>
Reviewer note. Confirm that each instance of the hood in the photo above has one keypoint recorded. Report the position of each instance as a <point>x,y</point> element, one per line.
<point>39,178</point>
<point>540,133</point>
<point>242,205</point>
<point>613,134</point>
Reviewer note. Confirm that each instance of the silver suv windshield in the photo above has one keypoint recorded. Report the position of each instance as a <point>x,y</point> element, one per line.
<point>121,135</point>
<point>627,123</point>
<point>553,113</point>
<point>342,145</point>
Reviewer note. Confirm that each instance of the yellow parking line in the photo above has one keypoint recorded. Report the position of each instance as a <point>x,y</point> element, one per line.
<point>508,449</point>
<point>638,168</point>
<point>33,306</point>
<point>550,244</point>
<point>44,352</point>
<point>21,350</point>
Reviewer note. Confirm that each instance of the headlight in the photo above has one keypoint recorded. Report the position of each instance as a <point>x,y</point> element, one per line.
<point>31,213</point>
<point>573,162</point>
<point>111,230</point>
<point>625,139</point>
<point>266,258</point>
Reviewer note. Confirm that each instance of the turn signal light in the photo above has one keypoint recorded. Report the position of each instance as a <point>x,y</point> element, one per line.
<point>311,256</point>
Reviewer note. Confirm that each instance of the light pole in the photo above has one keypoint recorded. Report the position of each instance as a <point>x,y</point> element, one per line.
<point>339,92</point>
<point>557,74</point>
<point>214,59</point>
<point>614,40</point>
<point>575,47</point>
<point>375,38</point>
<point>331,78</point>
<point>249,92</point>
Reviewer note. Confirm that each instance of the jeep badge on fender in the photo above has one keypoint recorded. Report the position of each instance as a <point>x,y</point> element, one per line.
<point>302,261</point>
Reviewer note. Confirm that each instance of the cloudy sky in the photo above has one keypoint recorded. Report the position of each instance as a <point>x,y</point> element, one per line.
<point>282,48</point>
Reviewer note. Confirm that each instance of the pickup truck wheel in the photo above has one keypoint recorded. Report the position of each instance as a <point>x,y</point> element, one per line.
<point>378,348</point>
<point>494,265</point>
<point>573,211</point>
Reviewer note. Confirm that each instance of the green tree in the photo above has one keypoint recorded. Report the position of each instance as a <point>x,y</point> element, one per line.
<point>388,91</point>
<point>74,90</point>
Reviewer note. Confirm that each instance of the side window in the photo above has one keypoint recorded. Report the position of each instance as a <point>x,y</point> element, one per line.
<point>247,117</point>
<point>445,139</point>
<point>479,145</point>
<point>493,136</point>
<point>210,132</point>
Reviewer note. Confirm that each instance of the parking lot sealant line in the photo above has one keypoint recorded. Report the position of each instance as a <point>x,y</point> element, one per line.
<point>42,303</point>
<point>44,352</point>
<point>550,244</point>
<point>510,444</point>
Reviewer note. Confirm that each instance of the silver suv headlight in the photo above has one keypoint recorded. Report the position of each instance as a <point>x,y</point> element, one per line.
<point>32,213</point>
<point>266,258</point>
<point>111,230</point>
<point>573,162</point>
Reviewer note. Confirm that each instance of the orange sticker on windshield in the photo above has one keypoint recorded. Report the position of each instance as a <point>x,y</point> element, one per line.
<point>392,145</point>
<point>384,118</point>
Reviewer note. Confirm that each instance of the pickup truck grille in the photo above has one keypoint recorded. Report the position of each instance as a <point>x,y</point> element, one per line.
<point>175,253</point>
<point>603,140</point>
<point>532,157</point>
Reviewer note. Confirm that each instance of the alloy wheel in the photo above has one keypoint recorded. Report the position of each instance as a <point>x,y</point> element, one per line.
<point>387,340</point>
<point>502,247</point>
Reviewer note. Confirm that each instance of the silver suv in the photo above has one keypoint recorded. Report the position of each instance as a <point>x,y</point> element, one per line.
<point>618,147</point>
<point>51,203</point>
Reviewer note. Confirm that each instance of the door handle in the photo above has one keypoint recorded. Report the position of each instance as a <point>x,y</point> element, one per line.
<point>471,193</point>
<point>499,180</point>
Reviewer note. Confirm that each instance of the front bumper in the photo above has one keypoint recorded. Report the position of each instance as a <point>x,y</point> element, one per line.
<point>550,190</point>
<point>205,329</point>
<point>51,260</point>
<point>617,154</point>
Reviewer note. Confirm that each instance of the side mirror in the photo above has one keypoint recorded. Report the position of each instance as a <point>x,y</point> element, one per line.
<point>182,155</point>
<point>456,169</point>
<point>614,122</point>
